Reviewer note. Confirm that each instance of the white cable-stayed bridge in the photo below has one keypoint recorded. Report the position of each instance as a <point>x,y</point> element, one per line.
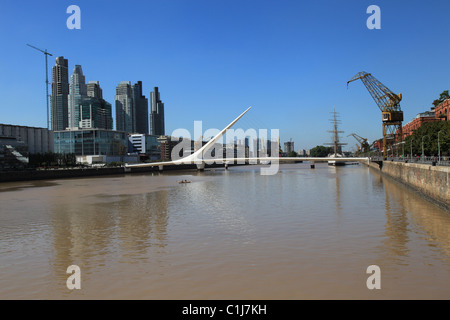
<point>197,158</point>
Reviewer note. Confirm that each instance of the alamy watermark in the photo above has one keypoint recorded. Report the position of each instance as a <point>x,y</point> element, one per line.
<point>74,20</point>
<point>374,280</point>
<point>74,280</point>
<point>235,146</point>
<point>374,21</point>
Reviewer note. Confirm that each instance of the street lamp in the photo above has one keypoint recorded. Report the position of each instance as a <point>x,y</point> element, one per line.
<point>423,155</point>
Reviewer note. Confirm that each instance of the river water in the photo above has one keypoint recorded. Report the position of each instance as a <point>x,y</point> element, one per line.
<point>229,234</point>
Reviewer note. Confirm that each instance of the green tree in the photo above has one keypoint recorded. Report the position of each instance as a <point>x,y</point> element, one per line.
<point>444,95</point>
<point>428,133</point>
<point>292,154</point>
<point>51,159</point>
<point>320,151</point>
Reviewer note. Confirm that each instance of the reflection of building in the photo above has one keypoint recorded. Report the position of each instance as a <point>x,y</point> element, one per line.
<point>91,142</point>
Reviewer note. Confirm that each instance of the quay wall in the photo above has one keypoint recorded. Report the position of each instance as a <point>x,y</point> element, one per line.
<point>10,176</point>
<point>430,181</point>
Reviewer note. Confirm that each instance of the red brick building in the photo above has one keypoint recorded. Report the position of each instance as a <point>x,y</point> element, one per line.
<point>421,118</point>
<point>442,111</point>
<point>378,145</point>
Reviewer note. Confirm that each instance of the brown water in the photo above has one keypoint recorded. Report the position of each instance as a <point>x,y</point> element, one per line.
<point>300,234</point>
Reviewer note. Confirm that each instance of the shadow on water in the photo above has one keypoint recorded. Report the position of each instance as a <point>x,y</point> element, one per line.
<point>17,186</point>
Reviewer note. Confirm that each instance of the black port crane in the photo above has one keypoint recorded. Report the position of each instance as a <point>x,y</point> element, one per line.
<point>389,104</point>
<point>363,144</point>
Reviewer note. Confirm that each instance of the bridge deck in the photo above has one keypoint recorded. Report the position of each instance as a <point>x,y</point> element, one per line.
<point>251,160</point>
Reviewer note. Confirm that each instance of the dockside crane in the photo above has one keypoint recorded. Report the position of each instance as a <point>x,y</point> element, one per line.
<point>363,144</point>
<point>389,104</point>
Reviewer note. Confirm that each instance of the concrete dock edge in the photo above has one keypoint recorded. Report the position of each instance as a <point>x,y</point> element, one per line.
<point>432,182</point>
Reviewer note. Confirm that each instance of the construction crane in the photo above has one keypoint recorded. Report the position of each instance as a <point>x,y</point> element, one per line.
<point>46,54</point>
<point>389,104</point>
<point>363,144</point>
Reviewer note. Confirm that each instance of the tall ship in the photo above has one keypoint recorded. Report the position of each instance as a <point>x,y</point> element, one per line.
<point>337,145</point>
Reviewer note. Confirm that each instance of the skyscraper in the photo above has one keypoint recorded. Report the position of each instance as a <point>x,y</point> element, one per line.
<point>156,114</point>
<point>77,92</point>
<point>60,92</point>
<point>289,146</point>
<point>125,119</point>
<point>95,112</point>
<point>140,103</point>
<point>94,90</point>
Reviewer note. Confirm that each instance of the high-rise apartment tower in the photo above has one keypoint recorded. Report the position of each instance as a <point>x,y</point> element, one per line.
<point>59,97</point>
<point>156,114</point>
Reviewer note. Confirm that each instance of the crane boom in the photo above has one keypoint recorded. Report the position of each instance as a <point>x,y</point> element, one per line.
<point>389,104</point>
<point>385,98</point>
<point>46,54</point>
<point>358,138</point>
<point>363,144</point>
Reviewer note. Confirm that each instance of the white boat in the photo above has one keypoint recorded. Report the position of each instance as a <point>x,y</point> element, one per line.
<point>335,163</point>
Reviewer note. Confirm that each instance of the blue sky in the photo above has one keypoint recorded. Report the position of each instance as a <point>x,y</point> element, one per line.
<point>211,59</point>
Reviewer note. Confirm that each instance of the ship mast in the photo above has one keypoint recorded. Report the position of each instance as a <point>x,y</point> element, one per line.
<point>336,144</point>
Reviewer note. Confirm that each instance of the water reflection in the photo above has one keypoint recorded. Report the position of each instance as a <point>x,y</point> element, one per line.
<point>91,234</point>
<point>396,228</point>
<point>413,213</point>
<point>229,234</point>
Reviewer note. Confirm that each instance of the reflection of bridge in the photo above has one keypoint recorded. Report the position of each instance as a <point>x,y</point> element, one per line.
<point>198,159</point>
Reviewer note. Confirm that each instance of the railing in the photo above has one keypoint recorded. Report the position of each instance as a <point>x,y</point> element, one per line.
<point>434,161</point>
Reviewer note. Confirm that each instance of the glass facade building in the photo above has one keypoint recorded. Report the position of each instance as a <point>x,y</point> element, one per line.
<point>144,144</point>
<point>95,113</point>
<point>59,98</point>
<point>156,114</point>
<point>140,103</point>
<point>91,142</point>
<point>77,92</point>
<point>125,118</point>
